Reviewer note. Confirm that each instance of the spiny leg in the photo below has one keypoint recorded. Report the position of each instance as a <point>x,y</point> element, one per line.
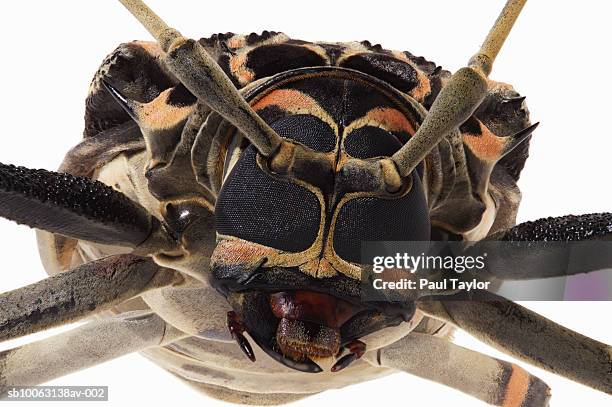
<point>528,336</point>
<point>567,245</point>
<point>85,290</point>
<point>78,208</point>
<point>491,380</point>
<point>85,346</point>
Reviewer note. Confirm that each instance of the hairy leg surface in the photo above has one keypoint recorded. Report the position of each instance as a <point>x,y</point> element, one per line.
<point>85,346</point>
<point>567,245</point>
<point>530,337</point>
<point>78,208</point>
<point>437,359</point>
<point>83,291</point>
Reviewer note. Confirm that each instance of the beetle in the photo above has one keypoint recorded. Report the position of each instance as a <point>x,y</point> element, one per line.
<point>125,220</point>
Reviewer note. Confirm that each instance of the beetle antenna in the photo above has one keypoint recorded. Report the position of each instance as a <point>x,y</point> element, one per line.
<point>205,79</point>
<point>79,208</point>
<point>459,99</point>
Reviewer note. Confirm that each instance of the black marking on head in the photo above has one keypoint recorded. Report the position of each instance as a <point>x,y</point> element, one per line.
<point>360,98</point>
<point>136,74</point>
<point>344,99</point>
<point>326,92</point>
<point>271,114</point>
<point>267,60</point>
<point>333,51</point>
<point>398,73</point>
<point>369,142</point>
<point>471,126</point>
<point>216,39</point>
<point>180,97</point>
<point>255,38</point>
<point>424,65</point>
<point>224,63</point>
<point>308,130</point>
<point>375,48</point>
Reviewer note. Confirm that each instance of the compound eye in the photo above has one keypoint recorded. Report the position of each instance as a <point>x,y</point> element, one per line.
<point>256,207</point>
<point>368,218</point>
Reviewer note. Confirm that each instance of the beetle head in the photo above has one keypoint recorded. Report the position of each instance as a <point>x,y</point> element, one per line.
<point>290,227</point>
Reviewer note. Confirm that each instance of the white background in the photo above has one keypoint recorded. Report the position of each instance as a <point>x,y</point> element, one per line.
<point>558,55</point>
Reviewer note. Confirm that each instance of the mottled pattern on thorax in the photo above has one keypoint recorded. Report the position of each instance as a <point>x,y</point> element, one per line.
<point>246,58</point>
<point>137,70</point>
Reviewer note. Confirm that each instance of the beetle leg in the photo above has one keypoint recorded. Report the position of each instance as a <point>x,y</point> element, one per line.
<point>528,336</point>
<point>76,294</point>
<point>79,208</point>
<point>569,245</point>
<point>491,380</point>
<point>83,347</point>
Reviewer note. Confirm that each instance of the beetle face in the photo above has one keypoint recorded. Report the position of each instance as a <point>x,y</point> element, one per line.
<point>288,252</point>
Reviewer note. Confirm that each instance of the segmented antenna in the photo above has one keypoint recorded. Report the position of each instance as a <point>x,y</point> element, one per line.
<point>460,97</point>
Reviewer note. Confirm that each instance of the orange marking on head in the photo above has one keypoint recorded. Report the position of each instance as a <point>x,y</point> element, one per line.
<point>239,252</point>
<point>517,387</point>
<point>391,119</point>
<point>296,102</point>
<point>239,69</point>
<point>158,114</point>
<point>486,146</point>
<point>422,89</point>
<point>151,48</point>
<point>287,99</point>
<point>237,41</point>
